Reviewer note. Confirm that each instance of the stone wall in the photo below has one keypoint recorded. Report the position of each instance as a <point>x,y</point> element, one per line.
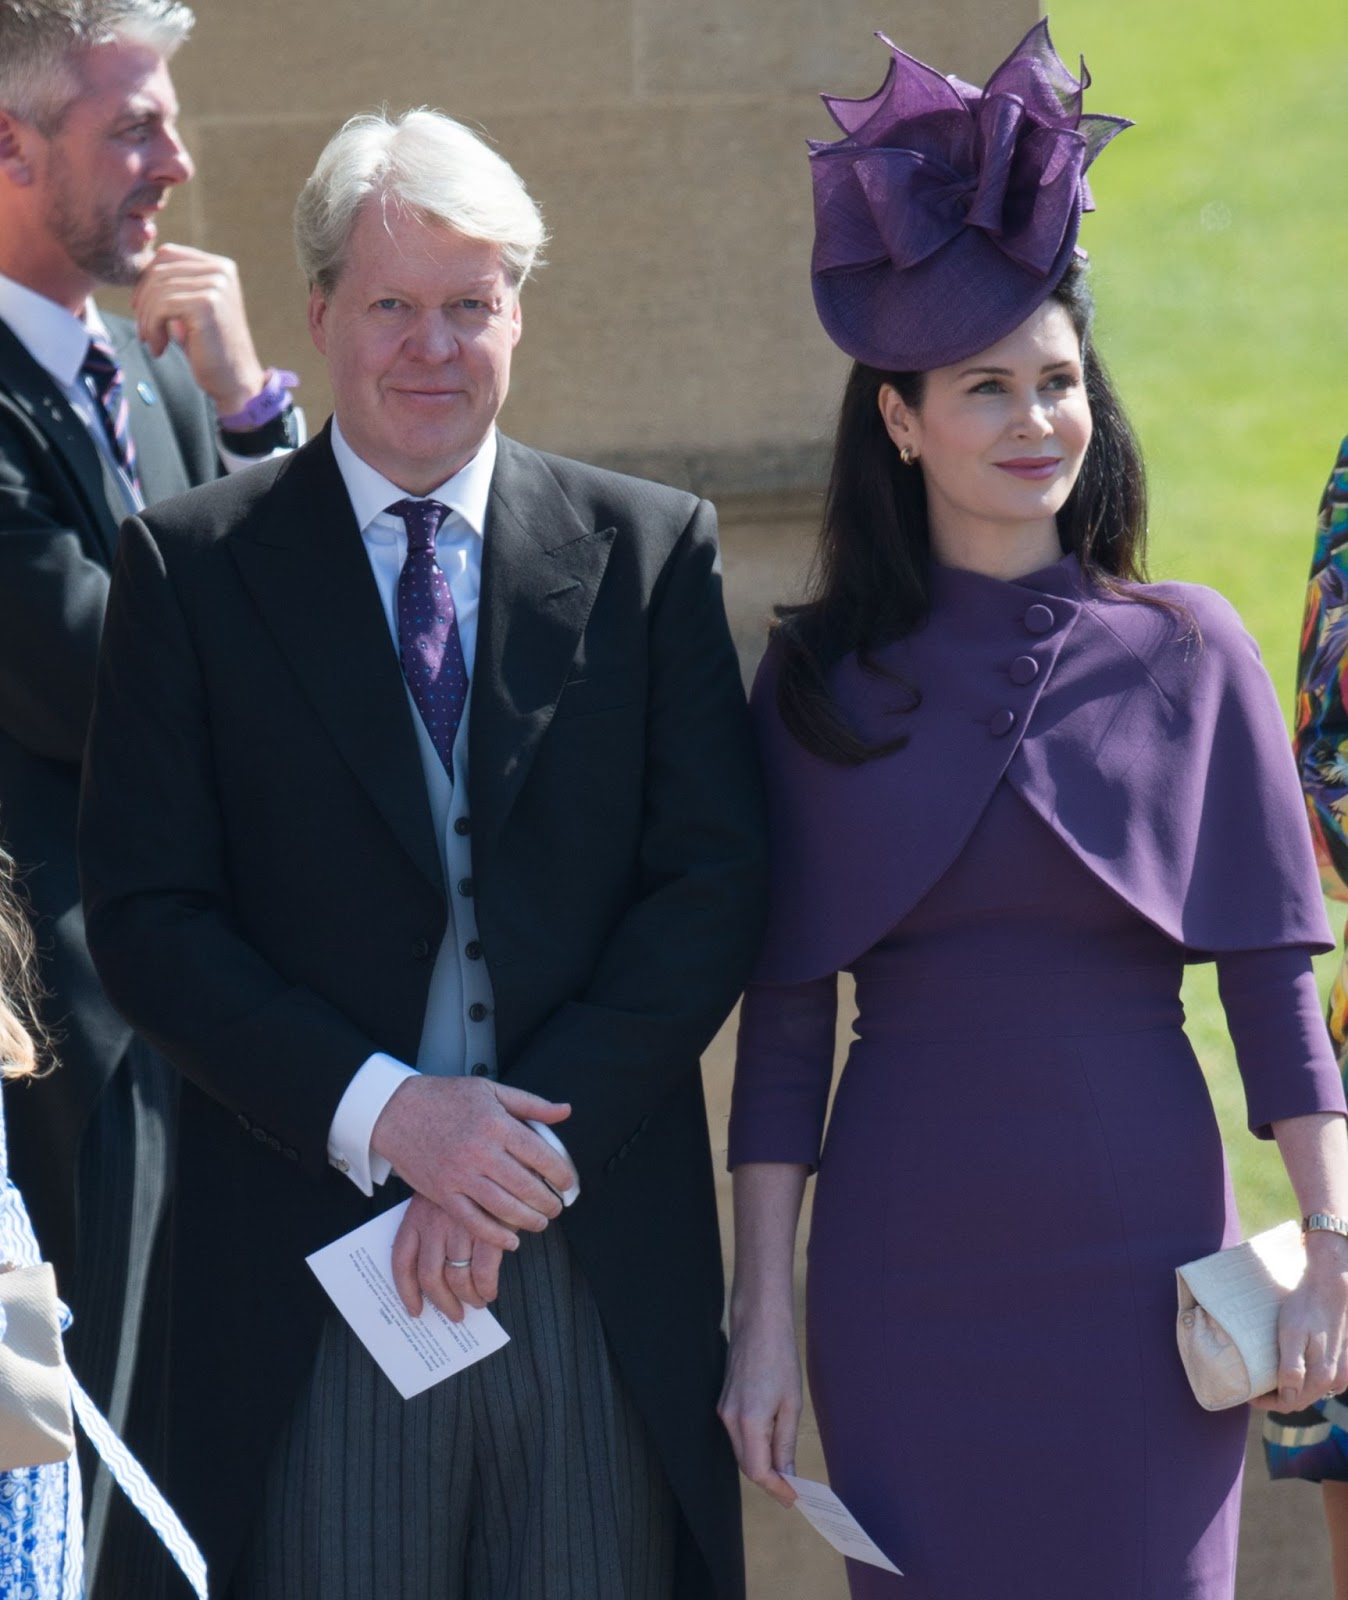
<point>672,330</point>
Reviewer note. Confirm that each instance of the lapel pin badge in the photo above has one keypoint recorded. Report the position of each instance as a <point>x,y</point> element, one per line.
<point>146,393</point>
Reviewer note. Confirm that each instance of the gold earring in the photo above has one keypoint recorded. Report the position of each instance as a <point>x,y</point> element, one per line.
<point>907,455</point>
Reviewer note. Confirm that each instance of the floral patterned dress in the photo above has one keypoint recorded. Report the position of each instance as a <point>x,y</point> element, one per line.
<point>41,1537</point>
<point>1314,1444</point>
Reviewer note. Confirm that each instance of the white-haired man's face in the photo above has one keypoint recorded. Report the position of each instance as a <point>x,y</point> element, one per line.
<point>418,333</point>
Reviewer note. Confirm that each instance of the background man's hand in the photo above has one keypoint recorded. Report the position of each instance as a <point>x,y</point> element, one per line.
<point>462,1144</point>
<point>195,300</point>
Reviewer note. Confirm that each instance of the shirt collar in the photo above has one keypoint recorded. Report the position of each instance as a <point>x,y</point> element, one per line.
<point>372,493</point>
<point>55,338</point>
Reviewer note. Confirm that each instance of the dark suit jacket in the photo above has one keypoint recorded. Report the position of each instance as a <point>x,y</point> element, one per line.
<point>58,529</point>
<point>265,898</point>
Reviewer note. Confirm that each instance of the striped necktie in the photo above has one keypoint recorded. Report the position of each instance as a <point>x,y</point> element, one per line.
<point>105,379</point>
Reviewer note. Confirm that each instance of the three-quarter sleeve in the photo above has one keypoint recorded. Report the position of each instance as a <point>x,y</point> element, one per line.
<point>783,1070</point>
<point>1284,1053</point>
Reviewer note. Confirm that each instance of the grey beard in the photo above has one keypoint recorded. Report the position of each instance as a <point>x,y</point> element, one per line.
<point>93,246</point>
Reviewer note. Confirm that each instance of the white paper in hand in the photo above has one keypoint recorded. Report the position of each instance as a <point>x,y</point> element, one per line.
<point>828,1516</point>
<point>414,1352</point>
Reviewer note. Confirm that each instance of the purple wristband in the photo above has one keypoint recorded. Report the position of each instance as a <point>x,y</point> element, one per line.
<point>265,406</point>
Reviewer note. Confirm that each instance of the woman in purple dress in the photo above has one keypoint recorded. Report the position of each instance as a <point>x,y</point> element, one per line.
<point>1015,789</point>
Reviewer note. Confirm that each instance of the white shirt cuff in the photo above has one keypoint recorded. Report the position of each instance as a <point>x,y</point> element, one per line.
<point>357,1112</point>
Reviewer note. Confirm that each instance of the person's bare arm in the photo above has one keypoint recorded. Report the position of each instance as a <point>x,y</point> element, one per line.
<point>761,1401</point>
<point>1313,1325</point>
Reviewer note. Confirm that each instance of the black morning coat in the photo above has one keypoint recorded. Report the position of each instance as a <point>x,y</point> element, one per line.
<point>264,900</point>
<point>59,510</point>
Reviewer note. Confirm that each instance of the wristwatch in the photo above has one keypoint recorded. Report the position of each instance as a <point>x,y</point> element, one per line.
<point>1324,1222</point>
<point>282,432</point>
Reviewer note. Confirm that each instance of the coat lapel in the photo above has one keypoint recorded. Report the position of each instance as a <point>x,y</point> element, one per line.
<point>541,569</point>
<point>37,396</point>
<point>305,565</point>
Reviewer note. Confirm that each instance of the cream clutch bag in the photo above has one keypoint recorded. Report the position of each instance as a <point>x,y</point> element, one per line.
<point>35,1422</point>
<point>1228,1315</point>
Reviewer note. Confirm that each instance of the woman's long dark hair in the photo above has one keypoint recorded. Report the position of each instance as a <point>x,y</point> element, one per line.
<point>20,1032</point>
<point>870,585</point>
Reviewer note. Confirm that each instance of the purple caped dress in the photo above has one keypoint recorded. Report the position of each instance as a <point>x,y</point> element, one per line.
<point>1022,1148</point>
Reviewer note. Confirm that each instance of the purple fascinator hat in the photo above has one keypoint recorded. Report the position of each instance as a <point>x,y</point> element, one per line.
<point>947,213</point>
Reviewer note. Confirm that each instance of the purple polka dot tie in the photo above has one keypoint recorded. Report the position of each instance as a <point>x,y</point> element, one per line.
<point>428,630</point>
<point>105,378</point>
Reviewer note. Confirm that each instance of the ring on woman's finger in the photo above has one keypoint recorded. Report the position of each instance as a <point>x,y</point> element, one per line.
<point>460,1264</point>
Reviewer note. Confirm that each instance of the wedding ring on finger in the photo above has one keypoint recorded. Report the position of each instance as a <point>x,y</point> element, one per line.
<point>459,1264</point>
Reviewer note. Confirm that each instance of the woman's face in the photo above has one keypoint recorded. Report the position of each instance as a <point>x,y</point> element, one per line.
<point>999,439</point>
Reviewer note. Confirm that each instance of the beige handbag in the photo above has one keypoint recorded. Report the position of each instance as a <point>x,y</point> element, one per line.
<point>1228,1315</point>
<point>35,1421</point>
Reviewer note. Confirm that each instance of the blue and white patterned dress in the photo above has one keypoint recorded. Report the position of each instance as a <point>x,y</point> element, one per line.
<point>41,1536</point>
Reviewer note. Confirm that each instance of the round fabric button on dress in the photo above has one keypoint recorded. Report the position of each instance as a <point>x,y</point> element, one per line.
<point>1024,669</point>
<point>1039,619</point>
<point>1002,722</point>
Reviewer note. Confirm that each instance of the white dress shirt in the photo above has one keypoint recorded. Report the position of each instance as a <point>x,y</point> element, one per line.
<point>57,340</point>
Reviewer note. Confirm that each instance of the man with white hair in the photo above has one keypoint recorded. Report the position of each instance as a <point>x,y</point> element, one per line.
<point>422,832</point>
<point>98,417</point>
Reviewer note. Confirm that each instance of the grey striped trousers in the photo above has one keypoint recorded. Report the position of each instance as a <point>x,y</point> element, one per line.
<point>527,1477</point>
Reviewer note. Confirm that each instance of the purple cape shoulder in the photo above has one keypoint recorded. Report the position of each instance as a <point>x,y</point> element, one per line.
<point>1143,731</point>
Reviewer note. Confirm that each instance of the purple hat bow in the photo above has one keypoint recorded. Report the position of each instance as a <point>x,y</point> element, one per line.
<point>928,159</point>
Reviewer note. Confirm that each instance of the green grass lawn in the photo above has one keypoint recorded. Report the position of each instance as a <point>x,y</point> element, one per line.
<point>1221,271</point>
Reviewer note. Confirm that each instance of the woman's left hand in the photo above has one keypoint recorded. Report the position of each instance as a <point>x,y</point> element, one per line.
<point>1313,1330</point>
